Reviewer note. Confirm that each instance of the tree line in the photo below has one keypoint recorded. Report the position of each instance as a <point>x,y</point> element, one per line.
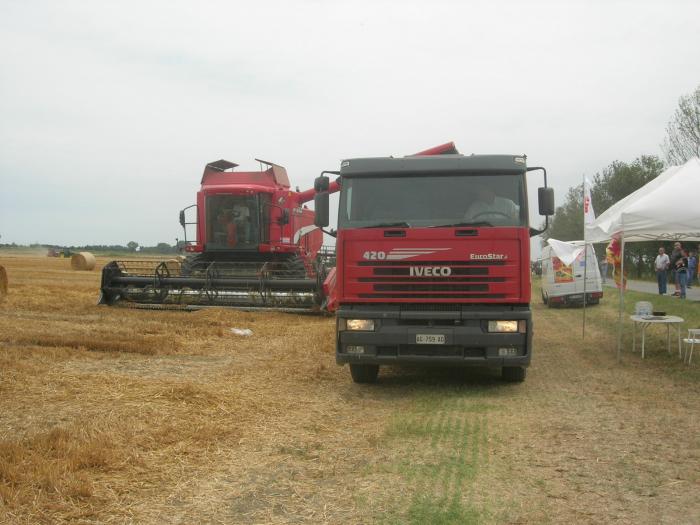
<point>130,247</point>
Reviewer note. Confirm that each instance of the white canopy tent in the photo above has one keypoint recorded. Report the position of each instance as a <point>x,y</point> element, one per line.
<point>664,209</point>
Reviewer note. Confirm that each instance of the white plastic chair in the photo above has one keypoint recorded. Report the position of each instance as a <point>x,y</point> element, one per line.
<point>692,340</point>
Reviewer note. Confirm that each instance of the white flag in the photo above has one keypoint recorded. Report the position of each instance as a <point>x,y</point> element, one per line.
<point>588,213</point>
<point>566,251</point>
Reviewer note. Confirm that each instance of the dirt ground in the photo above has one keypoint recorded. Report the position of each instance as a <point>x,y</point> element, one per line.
<point>113,415</point>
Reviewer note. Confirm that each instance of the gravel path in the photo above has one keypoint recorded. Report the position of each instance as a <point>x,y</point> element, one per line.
<point>651,288</point>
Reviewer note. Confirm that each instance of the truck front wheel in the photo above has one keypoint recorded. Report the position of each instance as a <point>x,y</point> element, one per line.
<point>364,373</point>
<point>515,374</point>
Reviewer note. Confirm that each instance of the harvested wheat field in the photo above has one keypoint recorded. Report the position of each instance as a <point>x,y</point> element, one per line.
<point>113,415</point>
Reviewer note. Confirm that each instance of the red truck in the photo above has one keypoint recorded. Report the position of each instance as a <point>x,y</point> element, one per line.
<point>433,261</point>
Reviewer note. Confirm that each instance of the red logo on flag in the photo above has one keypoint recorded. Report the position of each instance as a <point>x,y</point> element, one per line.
<point>586,204</point>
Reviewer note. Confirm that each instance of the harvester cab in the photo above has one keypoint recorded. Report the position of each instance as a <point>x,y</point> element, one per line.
<point>246,211</point>
<point>255,245</point>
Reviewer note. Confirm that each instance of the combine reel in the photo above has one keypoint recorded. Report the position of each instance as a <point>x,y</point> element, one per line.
<point>284,285</point>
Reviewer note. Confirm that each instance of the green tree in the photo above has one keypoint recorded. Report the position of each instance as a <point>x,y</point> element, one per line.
<point>132,245</point>
<point>683,131</point>
<point>620,179</point>
<point>567,222</point>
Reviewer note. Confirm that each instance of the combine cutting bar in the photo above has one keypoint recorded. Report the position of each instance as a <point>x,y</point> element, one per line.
<point>213,284</point>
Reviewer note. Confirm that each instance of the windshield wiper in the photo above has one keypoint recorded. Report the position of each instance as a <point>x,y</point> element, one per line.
<point>457,224</point>
<point>400,224</point>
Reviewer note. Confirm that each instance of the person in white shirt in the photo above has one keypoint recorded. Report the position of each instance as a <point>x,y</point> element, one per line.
<point>661,264</point>
<point>488,205</point>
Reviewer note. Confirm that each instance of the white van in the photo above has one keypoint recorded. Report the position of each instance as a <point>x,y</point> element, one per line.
<point>563,284</point>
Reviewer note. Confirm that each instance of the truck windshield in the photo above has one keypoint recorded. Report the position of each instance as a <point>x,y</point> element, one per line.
<point>433,200</point>
<point>233,222</point>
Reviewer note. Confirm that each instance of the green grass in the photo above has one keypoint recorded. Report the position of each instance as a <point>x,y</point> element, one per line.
<point>443,445</point>
<point>424,510</point>
<point>605,316</point>
<point>438,448</point>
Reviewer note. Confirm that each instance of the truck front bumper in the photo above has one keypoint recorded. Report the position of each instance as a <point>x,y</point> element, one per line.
<point>399,337</point>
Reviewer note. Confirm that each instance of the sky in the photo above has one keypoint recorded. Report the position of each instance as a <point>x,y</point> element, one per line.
<point>110,110</point>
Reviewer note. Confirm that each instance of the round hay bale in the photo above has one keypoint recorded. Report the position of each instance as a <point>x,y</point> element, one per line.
<point>174,266</point>
<point>3,282</point>
<point>83,261</point>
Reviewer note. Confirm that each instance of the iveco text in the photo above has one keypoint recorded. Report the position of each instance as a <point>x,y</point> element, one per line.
<point>430,271</point>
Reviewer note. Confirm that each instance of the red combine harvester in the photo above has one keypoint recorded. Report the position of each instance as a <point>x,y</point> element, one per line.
<point>432,261</point>
<point>256,247</point>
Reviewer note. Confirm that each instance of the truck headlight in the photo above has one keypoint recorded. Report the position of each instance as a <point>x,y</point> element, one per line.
<point>364,325</point>
<point>503,326</point>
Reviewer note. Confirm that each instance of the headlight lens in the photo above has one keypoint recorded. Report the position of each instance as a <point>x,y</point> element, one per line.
<point>365,325</point>
<point>503,326</point>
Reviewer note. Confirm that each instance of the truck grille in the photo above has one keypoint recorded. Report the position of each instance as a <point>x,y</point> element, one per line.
<point>422,307</point>
<point>476,280</point>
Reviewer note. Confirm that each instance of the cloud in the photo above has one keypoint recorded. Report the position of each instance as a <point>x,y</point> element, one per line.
<point>112,109</point>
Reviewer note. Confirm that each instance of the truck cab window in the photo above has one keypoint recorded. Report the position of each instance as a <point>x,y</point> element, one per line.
<point>429,200</point>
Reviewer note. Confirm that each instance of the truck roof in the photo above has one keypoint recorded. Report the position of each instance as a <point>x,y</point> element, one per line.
<point>433,163</point>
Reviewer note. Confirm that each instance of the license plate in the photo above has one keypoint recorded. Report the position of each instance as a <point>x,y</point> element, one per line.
<point>430,339</point>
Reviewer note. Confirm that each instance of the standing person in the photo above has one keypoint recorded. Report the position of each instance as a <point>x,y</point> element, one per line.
<point>675,255</point>
<point>603,267</point>
<point>661,264</point>
<point>682,272</point>
<point>692,268</point>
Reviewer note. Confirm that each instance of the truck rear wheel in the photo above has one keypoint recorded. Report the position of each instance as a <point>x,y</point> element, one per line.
<point>515,374</point>
<point>364,373</point>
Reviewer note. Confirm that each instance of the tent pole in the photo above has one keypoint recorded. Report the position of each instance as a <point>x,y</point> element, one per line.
<point>586,201</point>
<point>585,261</point>
<point>622,297</point>
<point>585,268</point>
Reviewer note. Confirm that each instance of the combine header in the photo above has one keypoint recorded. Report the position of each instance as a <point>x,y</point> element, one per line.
<point>256,246</point>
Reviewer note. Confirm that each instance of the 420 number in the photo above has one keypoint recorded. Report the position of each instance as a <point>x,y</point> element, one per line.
<point>374,256</point>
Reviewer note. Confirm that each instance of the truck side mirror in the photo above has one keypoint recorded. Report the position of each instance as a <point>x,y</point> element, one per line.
<point>182,218</point>
<point>321,184</point>
<point>321,209</point>
<point>545,199</point>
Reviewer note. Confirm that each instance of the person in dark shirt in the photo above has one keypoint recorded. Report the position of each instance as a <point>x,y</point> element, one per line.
<point>681,266</point>
<point>692,268</point>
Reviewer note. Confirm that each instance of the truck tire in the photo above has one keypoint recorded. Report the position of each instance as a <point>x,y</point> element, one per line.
<point>364,373</point>
<point>515,374</point>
